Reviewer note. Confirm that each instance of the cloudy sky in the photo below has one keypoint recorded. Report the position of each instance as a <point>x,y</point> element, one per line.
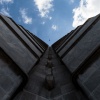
<point>50,19</point>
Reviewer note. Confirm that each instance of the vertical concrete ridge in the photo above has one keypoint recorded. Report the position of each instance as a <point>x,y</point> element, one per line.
<point>63,87</point>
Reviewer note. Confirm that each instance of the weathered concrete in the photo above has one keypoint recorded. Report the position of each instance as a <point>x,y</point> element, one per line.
<point>18,55</point>
<point>32,40</point>
<point>84,47</point>
<point>82,30</point>
<point>30,70</point>
<point>15,48</point>
<point>63,87</point>
<point>22,35</point>
<point>81,55</point>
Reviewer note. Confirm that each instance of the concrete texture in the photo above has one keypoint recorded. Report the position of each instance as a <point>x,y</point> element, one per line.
<point>80,53</point>
<point>32,40</point>
<point>89,79</point>
<point>85,46</point>
<point>83,29</point>
<point>63,89</point>
<point>10,79</point>
<point>15,48</point>
<point>22,35</point>
<point>31,70</point>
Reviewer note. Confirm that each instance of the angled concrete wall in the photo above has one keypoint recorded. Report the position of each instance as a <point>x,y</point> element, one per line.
<point>20,50</point>
<point>80,52</point>
<point>20,53</point>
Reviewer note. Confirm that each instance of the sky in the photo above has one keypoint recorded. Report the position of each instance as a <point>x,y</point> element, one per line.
<point>50,19</point>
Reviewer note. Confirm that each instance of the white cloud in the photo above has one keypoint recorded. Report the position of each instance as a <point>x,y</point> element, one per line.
<point>26,19</point>
<point>72,1</point>
<point>43,23</point>
<point>44,7</point>
<point>50,18</point>
<point>6,1</point>
<point>54,27</point>
<point>86,9</point>
<point>5,11</point>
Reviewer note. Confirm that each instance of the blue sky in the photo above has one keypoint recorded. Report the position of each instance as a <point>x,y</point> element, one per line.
<point>50,19</point>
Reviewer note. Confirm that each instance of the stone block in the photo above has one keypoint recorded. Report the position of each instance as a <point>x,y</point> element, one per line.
<point>56,92</point>
<point>93,81</point>
<point>2,93</point>
<point>83,49</point>
<point>67,88</point>
<point>32,40</point>
<point>22,35</point>
<point>71,96</point>
<point>41,98</point>
<point>83,29</point>
<point>68,39</point>
<point>96,93</point>
<point>49,82</point>
<point>49,64</point>
<point>49,71</point>
<point>28,96</point>
<point>89,79</point>
<point>15,48</point>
